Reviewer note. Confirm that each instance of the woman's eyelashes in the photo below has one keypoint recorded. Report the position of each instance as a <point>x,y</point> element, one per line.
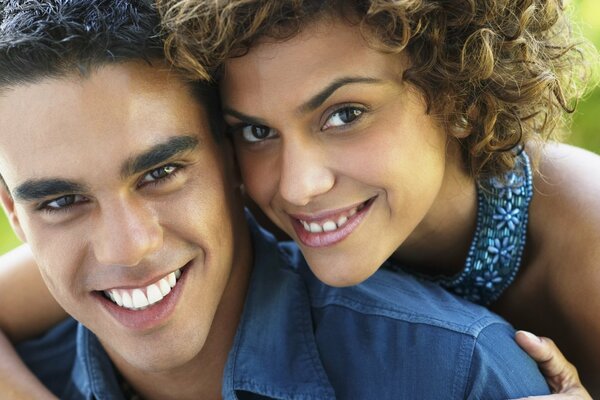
<point>343,116</point>
<point>339,118</point>
<point>256,133</point>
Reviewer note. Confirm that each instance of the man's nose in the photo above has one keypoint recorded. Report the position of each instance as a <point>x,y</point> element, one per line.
<point>128,232</point>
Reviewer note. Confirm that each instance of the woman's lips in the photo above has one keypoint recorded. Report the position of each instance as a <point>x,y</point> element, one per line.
<point>335,227</point>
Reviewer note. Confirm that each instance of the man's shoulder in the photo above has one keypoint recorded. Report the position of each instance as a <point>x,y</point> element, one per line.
<point>405,299</point>
<point>404,329</point>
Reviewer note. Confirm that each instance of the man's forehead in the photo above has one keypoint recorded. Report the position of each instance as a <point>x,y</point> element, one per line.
<point>61,124</point>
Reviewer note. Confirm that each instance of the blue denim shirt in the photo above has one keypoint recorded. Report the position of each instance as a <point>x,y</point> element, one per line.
<point>391,337</point>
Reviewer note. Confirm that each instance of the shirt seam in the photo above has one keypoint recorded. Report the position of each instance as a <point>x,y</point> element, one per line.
<point>472,329</point>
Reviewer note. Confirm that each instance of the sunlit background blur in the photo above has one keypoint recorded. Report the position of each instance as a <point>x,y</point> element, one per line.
<point>585,129</point>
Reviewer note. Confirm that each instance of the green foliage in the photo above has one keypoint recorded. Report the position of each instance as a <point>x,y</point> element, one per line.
<point>7,238</point>
<point>585,129</point>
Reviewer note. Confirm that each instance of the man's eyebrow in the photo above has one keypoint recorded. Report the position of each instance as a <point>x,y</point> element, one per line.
<point>158,154</point>
<point>319,98</point>
<point>39,189</point>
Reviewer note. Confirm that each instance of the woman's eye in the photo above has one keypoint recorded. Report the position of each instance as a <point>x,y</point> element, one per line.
<point>159,173</point>
<point>256,133</point>
<point>63,202</point>
<point>343,117</point>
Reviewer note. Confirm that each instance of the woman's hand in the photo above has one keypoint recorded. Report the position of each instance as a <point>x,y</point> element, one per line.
<point>17,382</point>
<point>561,375</point>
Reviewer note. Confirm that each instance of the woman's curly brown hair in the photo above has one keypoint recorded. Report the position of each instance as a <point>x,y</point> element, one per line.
<point>507,71</point>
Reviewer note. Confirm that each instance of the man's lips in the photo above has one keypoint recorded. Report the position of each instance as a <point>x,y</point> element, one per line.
<point>135,311</point>
<point>142,297</point>
<point>139,298</point>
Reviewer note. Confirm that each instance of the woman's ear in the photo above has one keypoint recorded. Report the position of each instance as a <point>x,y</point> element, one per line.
<point>8,204</point>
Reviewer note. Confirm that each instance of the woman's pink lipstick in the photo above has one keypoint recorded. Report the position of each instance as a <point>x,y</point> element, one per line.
<point>329,230</point>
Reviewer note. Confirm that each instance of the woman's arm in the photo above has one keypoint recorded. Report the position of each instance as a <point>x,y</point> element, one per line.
<point>16,380</point>
<point>27,308</point>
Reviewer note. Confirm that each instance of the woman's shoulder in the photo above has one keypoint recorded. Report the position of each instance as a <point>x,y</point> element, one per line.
<point>566,191</point>
<point>562,163</point>
<point>565,221</point>
<point>565,209</point>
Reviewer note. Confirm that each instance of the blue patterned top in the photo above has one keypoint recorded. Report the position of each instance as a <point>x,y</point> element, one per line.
<point>495,254</point>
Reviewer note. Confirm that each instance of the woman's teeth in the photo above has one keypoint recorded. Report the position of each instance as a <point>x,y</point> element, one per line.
<point>141,298</point>
<point>330,225</point>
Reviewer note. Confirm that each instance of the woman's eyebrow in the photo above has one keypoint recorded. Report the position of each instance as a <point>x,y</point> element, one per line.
<point>315,101</point>
<point>243,117</point>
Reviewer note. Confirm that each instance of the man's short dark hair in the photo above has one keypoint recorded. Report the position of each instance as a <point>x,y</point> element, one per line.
<point>55,38</point>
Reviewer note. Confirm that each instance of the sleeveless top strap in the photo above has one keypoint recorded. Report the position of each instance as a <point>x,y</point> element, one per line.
<point>495,254</point>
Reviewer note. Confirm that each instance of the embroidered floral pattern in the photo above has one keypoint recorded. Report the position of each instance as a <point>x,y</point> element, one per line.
<point>501,250</point>
<point>488,280</point>
<point>507,216</point>
<point>497,247</point>
<point>513,184</point>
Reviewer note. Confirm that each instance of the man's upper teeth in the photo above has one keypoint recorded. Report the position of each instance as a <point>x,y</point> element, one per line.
<point>140,298</point>
<point>329,224</point>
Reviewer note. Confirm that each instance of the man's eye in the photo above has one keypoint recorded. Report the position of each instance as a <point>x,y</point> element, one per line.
<point>343,117</point>
<point>62,203</point>
<point>159,174</point>
<point>256,133</point>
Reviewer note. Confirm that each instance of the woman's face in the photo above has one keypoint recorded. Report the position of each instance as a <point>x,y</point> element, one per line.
<point>334,147</point>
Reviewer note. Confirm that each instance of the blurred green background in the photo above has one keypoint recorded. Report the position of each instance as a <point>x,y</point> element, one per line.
<point>585,129</point>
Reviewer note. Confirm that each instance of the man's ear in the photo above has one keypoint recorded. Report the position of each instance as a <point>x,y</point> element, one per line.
<point>8,204</point>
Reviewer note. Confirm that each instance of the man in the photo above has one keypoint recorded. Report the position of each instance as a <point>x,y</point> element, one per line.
<point>115,174</point>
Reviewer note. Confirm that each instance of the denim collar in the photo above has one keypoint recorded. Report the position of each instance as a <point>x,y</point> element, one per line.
<point>93,375</point>
<point>274,353</point>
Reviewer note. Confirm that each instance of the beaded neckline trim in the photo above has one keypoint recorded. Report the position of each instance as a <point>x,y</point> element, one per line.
<point>495,254</point>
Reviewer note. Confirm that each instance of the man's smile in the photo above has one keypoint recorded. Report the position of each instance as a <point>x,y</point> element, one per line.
<point>143,297</point>
<point>146,307</point>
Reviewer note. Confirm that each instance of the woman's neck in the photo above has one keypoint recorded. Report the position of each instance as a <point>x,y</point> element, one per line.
<point>440,243</point>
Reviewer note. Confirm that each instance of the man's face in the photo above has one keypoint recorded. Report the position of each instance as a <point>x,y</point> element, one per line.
<point>121,192</point>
